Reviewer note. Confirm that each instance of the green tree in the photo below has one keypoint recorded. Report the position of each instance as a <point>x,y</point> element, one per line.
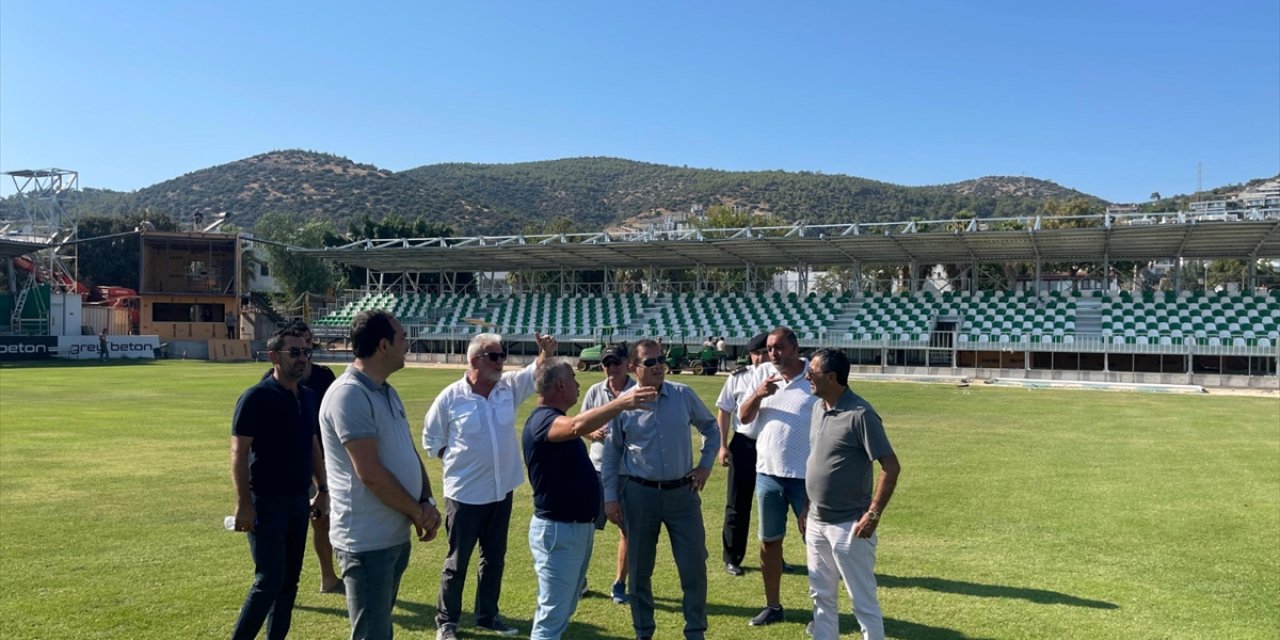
<point>294,273</point>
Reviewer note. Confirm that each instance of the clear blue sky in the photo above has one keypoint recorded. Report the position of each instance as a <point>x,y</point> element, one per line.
<point>1117,99</point>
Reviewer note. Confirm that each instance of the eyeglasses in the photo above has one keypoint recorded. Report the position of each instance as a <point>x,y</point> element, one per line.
<point>294,352</point>
<point>496,356</point>
<point>611,361</point>
<point>650,362</point>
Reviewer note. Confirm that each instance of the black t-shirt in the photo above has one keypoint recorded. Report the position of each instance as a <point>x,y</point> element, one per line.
<point>565,485</point>
<point>282,426</point>
<point>319,382</point>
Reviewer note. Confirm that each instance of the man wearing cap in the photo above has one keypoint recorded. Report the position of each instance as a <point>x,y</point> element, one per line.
<point>651,480</point>
<point>739,455</point>
<point>471,427</point>
<point>840,520</point>
<point>615,383</point>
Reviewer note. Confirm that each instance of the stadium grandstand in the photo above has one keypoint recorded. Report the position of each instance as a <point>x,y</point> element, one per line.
<point>1059,298</point>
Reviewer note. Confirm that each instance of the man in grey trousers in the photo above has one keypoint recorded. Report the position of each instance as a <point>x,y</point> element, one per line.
<point>650,481</point>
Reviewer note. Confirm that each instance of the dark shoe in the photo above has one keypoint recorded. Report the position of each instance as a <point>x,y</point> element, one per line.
<point>447,631</point>
<point>733,569</point>
<point>769,615</point>
<point>499,627</point>
<point>620,593</point>
<point>788,568</point>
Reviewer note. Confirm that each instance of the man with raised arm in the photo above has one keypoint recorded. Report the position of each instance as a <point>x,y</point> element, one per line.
<point>471,427</point>
<point>566,490</point>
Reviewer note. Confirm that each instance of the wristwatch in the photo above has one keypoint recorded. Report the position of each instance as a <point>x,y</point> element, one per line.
<point>873,516</point>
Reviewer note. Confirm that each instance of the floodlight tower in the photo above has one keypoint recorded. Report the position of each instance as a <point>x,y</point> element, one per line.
<point>43,193</point>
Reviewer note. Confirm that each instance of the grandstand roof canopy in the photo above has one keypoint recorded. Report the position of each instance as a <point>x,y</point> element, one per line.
<point>1116,238</point>
<point>14,248</point>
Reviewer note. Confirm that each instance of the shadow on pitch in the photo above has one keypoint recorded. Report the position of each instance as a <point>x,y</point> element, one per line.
<point>417,616</point>
<point>1038,596</point>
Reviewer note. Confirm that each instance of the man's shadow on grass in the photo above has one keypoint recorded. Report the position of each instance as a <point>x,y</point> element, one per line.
<point>1038,596</point>
<point>418,616</point>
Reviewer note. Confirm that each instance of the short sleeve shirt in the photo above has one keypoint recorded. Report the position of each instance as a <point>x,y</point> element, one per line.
<point>845,440</point>
<point>282,426</point>
<point>356,408</point>
<point>565,485</point>
<point>782,446</point>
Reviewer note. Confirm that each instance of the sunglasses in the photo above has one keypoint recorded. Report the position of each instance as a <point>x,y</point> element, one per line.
<point>611,361</point>
<point>294,352</point>
<point>650,362</point>
<point>496,356</point>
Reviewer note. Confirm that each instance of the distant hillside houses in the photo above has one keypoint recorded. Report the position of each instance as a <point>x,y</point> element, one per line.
<point>1263,196</point>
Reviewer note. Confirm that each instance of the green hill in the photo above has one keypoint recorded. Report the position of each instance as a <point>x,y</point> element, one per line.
<point>590,193</point>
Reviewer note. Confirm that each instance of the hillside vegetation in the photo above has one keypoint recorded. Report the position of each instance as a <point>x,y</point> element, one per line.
<point>589,193</point>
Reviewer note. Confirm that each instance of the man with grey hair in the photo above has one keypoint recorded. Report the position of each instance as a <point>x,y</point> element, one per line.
<point>566,490</point>
<point>471,427</point>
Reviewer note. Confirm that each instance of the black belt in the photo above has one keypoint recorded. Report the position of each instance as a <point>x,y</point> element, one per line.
<point>661,484</point>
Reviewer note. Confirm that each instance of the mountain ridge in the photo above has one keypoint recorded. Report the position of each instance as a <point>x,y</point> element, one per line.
<point>583,193</point>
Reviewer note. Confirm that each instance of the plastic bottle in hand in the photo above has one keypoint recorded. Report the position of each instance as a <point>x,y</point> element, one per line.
<point>229,523</point>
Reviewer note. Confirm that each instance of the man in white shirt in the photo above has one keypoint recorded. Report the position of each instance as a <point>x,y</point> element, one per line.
<point>739,455</point>
<point>471,427</point>
<point>782,407</point>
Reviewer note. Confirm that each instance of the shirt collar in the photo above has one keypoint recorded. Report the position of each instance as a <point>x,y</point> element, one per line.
<point>365,380</point>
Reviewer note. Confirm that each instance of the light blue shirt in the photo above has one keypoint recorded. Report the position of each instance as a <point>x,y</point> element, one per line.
<point>598,395</point>
<point>655,444</point>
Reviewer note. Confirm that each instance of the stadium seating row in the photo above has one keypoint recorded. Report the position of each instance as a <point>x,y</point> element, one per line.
<point>1157,318</point>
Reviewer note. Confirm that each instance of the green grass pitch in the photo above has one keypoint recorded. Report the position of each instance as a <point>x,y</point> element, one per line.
<point>1020,514</point>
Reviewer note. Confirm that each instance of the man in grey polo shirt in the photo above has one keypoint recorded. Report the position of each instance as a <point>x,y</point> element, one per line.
<point>377,484</point>
<point>653,451</point>
<point>840,528</point>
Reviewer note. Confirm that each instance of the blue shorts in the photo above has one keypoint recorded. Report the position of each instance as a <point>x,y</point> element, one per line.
<point>773,496</point>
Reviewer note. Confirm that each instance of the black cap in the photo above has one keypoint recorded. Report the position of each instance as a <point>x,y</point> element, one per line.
<point>757,343</point>
<point>618,351</point>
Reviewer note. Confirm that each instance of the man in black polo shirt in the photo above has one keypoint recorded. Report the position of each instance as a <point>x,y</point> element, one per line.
<point>566,490</point>
<point>318,378</point>
<point>274,456</point>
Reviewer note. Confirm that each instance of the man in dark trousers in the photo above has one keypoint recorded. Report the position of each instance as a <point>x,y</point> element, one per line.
<point>651,479</point>
<point>739,455</point>
<point>318,378</point>
<point>274,458</point>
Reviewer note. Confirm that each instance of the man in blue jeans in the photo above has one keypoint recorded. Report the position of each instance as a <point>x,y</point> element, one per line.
<point>781,406</point>
<point>378,483</point>
<point>566,490</point>
<point>274,455</point>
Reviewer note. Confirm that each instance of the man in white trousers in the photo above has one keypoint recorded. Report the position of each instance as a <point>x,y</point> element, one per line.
<point>841,516</point>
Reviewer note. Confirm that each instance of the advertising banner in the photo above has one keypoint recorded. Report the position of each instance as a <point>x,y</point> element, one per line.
<point>86,347</point>
<point>27,347</point>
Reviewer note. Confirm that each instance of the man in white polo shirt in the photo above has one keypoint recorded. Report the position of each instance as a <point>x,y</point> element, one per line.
<point>471,427</point>
<point>782,407</point>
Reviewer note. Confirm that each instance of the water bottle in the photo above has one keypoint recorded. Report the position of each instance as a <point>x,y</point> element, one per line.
<point>229,523</point>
